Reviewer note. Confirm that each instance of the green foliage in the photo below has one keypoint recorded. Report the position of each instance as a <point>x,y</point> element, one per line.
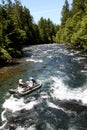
<point>46,30</point>
<point>73,28</point>
<point>15,29</point>
<point>65,13</point>
<point>80,36</point>
<point>4,55</point>
<point>59,35</point>
<point>78,5</point>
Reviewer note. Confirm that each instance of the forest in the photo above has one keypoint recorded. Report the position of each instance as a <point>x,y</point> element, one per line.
<point>18,30</point>
<point>73,28</point>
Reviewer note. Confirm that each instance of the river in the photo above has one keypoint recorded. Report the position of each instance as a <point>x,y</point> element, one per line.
<point>61,102</point>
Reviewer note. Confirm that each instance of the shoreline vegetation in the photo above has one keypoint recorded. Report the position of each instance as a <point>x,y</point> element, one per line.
<point>18,30</point>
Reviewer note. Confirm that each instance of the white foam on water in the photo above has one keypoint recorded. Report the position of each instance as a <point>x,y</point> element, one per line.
<point>20,128</point>
<point>67,52</point>
<point>85,66</point>
<point>23,128</point>
<point>73,128</point>
<point>14,104</point>
<point>3,126</point>
<point>84,71</point>
<point>79,59</point>
<point>50,56</point>
<point>63,92</point>
<point>4,120</point>
<point>34,60</point>
<point>44,95</point>
<point>52,105</point>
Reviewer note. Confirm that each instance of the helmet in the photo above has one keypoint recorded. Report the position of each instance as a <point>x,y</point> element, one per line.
<point>20,80</point>
<point>31,78</point>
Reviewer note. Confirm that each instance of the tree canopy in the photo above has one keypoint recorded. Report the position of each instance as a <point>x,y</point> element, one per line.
<point>73,28</point>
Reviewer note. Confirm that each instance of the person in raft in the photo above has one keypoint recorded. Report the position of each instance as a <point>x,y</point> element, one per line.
<point>31,82</point>
<point>28,84</point>
<point>21,83</point>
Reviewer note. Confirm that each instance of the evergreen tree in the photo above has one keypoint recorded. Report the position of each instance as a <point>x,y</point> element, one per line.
<point>65,13</point>
<point>73,24</point>
<point>78,5</point>
<point>46,30</point>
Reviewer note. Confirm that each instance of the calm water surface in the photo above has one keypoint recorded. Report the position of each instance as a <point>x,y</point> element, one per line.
<point>60,104</point>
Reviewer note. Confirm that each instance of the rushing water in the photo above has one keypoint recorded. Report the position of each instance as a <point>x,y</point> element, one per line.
<point>60,104</point>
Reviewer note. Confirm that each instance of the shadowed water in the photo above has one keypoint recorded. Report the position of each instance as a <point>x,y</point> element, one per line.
<point>60,104</point>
